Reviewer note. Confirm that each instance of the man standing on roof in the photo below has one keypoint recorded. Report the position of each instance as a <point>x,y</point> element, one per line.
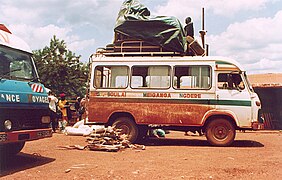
<point>189,28</point>
<point>189,33</point>
<point>63,105</point>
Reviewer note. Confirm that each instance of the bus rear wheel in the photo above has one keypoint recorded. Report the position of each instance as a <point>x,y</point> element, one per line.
<point>220,132</point>
<point>128,127</point>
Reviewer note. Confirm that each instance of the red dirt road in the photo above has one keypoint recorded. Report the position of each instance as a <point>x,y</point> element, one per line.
<point>254,155</point>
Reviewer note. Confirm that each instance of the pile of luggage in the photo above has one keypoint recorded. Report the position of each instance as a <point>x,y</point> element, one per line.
<point>110,139</point>
<point>137,31</point>
<point>100,138</point>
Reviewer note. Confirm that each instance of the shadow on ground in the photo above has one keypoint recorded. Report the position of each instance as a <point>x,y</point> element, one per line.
<point>21,162</point>
<point>196,142</point>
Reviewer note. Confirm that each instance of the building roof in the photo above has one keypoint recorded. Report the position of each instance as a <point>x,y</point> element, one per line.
<point>266,80</point>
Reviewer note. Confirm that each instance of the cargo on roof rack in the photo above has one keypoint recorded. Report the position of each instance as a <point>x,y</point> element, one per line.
<point>135,48</point>
<point>134,22</point>
<point>139,32</point>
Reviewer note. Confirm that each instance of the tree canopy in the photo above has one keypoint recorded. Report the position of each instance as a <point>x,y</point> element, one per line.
<point>60,69</point>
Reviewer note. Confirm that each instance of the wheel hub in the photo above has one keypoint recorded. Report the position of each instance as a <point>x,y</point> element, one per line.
<point>221,132</point>
<point>124,128</point>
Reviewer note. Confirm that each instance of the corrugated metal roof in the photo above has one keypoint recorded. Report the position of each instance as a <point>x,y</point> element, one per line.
<point>266,80</point>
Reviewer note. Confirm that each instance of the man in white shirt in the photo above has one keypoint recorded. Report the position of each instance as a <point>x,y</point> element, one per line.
<point>53,109</point>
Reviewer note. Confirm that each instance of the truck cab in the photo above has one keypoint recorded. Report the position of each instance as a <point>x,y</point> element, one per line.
<point>24,110</point>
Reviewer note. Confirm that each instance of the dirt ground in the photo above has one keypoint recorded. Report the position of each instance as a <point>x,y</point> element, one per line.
<point>254,155</point>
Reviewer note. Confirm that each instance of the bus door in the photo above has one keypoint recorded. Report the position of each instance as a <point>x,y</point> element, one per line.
<point>233,95</point>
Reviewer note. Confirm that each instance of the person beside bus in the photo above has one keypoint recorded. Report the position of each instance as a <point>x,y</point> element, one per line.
<point>82,109</point>
<point>53,109</point>
<point>63,105</point>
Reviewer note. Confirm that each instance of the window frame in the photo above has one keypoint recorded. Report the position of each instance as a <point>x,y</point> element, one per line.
<point>194,65</point>
<point>128,76</point>
<point>15,56</point>
<point>153,88</point>
<point>233,85</point>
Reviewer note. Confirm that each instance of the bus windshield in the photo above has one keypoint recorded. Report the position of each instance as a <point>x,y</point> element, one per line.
<point>16,65</point>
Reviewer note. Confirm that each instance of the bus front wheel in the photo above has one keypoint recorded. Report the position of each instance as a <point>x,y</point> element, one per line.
<point>128,127</point>
<point>220,132</point>
<point>11,148</point>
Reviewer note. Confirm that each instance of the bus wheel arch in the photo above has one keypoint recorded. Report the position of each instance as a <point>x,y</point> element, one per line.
<point>220,130</point>
<point>116,115</point>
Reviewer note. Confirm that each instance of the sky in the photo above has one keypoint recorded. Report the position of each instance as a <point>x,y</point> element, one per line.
<point>248,31</point>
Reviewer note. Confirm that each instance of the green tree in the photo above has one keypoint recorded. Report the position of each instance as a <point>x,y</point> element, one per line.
<point>60,70</point>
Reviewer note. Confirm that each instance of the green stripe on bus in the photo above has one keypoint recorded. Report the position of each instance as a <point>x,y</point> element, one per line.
<point>182,101</point>
<point>217,102</point>
<point>231,102</point>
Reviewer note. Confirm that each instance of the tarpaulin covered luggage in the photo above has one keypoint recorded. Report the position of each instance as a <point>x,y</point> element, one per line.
<point>134,20</point>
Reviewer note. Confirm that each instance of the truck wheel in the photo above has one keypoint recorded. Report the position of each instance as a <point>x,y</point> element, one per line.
<point>220,132</point>
<point>128,127</point>
<point>11,148</point>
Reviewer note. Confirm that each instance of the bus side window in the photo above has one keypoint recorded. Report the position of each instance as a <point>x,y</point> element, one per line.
<point>230,81</point>
<point>150,77</point>
<point>98,77</point>
<point>139,74</point>
<point>192,77</point>
<point>222,82</point>
<point>111,76</point>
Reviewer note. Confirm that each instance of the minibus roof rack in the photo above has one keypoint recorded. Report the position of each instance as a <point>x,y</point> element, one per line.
<point>128,54</point>
<point>135,48</point>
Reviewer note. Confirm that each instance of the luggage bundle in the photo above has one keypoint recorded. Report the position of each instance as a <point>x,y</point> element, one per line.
<point>137,31</point>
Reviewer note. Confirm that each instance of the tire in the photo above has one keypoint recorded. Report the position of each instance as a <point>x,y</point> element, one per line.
<point>11,148</point>
<point>220,132</point>
<point>128,127</point>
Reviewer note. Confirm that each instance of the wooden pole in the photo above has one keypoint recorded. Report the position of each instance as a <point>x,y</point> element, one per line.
<point>203,32</point>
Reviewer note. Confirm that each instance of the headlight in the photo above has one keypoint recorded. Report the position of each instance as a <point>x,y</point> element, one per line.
<point>8,125</point>
<point>45,119</point>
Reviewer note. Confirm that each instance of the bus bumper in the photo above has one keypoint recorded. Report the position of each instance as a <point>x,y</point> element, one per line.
<point>24,135</point>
